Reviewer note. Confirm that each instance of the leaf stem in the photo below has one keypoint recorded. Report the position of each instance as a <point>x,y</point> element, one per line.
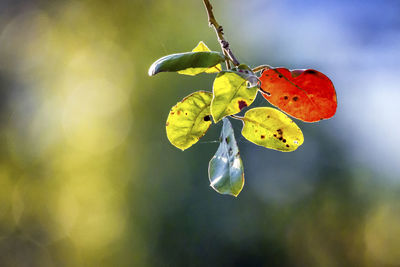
<point>258,68</point>
<point>236,117</point>
<point>220,34</point>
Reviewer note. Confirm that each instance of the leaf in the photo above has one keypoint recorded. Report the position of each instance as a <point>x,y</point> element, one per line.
<point>201,47</point>
<point>307,95</point>
<point>225,169</point>
<point>189,120</point>
<point>231,94</point>
<point>198,62</point>
<point>270,128</point>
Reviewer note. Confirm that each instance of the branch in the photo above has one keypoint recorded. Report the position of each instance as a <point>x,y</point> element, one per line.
<point>220,34</point>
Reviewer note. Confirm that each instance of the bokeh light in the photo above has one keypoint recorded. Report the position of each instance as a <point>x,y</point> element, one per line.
<point>88,178</point>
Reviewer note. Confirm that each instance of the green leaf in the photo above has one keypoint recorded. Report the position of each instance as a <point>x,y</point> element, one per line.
<point>225,169</point>
<point>201,47</point>
<point>189,120</point>
<point>197,61</point>
<point>232,93</point>
<point>270,128</point>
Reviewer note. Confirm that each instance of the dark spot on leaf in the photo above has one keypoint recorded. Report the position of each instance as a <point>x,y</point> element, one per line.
<point>262,136</point>
<point>287,145</point>
<point>280,138</point>
<point>256,131</point>
<point>167,123</point>
<point>172,113</point>
<point>274,135</point>
<point>295,98</point>
<point>268,116</point>
<point>312,71</point>
<point>186,113</point>
<point>285,97</point>
<point>227,140</point>
<point>284,140</point>
<point>242,104</point>
<point>280,75</point>
<point>179,112</point>
<point>207,118</point>
<point>279,131</point>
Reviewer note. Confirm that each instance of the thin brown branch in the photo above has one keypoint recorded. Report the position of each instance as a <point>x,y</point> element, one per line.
<point>220,34</point>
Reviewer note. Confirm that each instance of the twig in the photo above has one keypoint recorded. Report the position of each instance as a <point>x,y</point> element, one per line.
<point>220,34</point>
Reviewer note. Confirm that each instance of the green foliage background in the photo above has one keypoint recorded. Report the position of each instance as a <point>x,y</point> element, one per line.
<point>88,177</point>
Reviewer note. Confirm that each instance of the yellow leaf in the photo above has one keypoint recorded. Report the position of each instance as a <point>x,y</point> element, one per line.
<point>189,120</point>
<point>270,128</point>
<point>201,47</point>
<point>231,94</point>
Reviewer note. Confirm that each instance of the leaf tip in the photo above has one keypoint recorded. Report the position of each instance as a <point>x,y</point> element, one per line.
<point>152,70</point>
<point>236,194</point>
<point>215,119</point>
<point>180,146</point>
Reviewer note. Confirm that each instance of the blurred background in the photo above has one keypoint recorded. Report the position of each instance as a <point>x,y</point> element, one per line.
<point>88,177</point>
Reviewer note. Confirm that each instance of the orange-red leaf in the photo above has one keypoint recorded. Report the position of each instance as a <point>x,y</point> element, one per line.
<point>307,95</point>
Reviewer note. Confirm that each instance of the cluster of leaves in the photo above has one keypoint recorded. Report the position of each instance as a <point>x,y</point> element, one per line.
<point>307,95</point>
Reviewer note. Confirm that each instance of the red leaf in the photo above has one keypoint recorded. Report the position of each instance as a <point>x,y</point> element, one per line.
<point>307,95</point>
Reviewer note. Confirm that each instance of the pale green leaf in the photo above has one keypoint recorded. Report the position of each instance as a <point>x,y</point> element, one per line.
<point>225,169</point>
<point>270,128</point>
<point>189,120</point>
<point>232,93</point>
